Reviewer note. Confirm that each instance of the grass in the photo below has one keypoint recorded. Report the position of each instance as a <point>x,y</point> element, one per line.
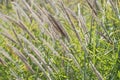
<point>60,40</point>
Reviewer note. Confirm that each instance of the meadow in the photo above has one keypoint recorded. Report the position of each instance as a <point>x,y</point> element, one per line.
<point>59,39</point>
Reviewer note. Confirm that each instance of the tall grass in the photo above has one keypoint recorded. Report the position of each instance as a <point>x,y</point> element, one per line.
<point>60,40</point>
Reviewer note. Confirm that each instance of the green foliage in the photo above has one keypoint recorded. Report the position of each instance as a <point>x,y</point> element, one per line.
<point>60,40</point>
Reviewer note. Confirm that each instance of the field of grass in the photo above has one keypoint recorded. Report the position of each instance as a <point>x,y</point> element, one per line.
<point>59,39</point>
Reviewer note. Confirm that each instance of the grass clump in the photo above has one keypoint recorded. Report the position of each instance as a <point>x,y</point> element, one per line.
<point>60,40</point>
